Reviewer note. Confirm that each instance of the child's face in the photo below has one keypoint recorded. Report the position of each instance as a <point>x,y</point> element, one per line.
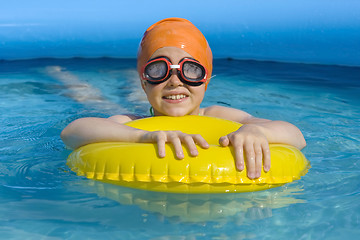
<point>173,97</point>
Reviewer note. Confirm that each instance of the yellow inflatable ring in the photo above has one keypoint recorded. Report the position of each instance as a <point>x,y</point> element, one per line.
<point>137,165</point>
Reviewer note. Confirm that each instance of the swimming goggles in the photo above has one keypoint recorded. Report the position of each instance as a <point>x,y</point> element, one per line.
<point>189,71</point>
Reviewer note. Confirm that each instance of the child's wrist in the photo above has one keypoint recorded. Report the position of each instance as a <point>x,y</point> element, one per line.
<point>140,135</point>
<point>255,127</point>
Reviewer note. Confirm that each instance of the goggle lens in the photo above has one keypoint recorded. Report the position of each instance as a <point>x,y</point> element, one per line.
<point>193,71</point>
<point>156,70</point>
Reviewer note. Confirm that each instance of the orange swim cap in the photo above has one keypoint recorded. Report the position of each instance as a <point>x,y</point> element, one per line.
<point>175,32</point>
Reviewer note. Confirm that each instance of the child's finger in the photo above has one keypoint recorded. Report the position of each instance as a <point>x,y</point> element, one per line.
<point>258,160</point>
<point>239,156</point>
<point>160,140</point>
<point>266,157</point>
<point>175,140</point>
<point>200,141</point>
<point>161,147</point>
<point>250,160</point>
<point>189,141</point>
<point>224,141</point>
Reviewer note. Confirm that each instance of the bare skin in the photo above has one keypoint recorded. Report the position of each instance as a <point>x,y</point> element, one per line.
<point>251,140</point>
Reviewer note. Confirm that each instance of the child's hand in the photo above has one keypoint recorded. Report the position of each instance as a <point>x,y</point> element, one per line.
<point>252,141</point>
<point>176,138</point>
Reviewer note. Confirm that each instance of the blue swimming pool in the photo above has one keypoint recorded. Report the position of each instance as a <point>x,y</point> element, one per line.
<point>62,60</point>
<point>42,199</point>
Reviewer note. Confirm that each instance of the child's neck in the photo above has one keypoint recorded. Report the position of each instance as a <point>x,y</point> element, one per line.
<point>152,114</point>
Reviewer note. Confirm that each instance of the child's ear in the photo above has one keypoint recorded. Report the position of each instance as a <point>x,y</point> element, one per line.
<point>143,83</point>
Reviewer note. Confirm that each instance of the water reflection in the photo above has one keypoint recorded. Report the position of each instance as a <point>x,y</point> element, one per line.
<point>199,207</point>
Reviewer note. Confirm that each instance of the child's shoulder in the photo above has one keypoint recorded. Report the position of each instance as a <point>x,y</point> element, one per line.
<point>225,113</point>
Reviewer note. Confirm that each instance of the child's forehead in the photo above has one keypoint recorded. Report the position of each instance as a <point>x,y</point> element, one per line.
<point>171,52</point>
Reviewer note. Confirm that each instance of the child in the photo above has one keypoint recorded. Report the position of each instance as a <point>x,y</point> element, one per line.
<point>175,65</point>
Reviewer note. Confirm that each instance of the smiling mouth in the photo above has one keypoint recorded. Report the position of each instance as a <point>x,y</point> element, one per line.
<point>175,97</point>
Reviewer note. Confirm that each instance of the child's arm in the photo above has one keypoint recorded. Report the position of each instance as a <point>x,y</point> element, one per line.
<point>253,138</point>
<point>90,130</point>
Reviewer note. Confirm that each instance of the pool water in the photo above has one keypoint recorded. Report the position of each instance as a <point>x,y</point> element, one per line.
<point>42,199</point>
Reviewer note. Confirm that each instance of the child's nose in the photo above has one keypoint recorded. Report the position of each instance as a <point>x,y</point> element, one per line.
<point>174,79</point>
